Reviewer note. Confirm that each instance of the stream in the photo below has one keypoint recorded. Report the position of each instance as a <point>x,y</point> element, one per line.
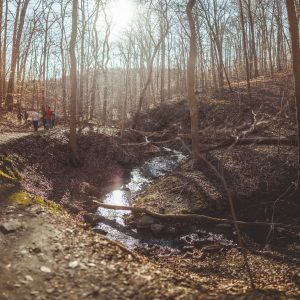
<point>139,179</point>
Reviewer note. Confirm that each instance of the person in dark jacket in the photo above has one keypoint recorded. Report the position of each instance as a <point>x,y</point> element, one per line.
<point>48,114</point>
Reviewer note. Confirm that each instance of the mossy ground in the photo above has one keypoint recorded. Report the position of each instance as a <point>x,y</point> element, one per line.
<point>20,197</point>
<point>8,173</point>
<point>23,198</point>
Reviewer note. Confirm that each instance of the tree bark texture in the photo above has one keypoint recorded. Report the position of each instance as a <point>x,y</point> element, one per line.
<point>73,81</point>
<point>294,32</point>
<point>14,58</point>
<point>191,81</point>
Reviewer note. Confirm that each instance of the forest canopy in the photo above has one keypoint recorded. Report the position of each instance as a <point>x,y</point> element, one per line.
<point>118,41</point>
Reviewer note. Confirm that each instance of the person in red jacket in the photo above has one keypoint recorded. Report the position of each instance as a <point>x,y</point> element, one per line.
<point>48,114</point>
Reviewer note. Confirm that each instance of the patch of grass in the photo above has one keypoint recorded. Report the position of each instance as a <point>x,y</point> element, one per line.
<point>6,176</point>
<point>20,197</point>
<point>40,200</point>
<point>54,207</point>
<point>8,173</point>
<point>23,198</point>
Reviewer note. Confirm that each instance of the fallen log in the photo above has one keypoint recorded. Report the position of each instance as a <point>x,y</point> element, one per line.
<point>194,218</point>
<point>266,140</point>
<point>233,141</point>
<point>256,140</point>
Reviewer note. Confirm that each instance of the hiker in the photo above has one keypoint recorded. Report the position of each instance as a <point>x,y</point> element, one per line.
<point>25,115</point>
<point>35,120</point>
<point>53,120</point>
<point>19,115</point>
<point>44,118</point>
<point>48,114</point>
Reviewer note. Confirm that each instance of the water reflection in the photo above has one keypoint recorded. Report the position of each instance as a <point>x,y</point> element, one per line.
<point>116,197</point>
<point>138,182</point>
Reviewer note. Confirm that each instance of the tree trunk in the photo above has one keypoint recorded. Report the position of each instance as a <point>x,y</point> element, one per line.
<point>82,61</point>
<point>191,81</point>
<point>63,70</point>
<point>96,63</point>
<point>213,66</point>
<point>294,32</point>
<point>163,62</point>
<point>245,49</point>
<point>14,58</point>
<point>253,48</point>
<point>279,36</point>
<point>105,61</point>
<point>105,95</point>
<point>45,51</point>
<point>24,60</point>
<point>1,66</point>
<point>169,68</point>
<point>3,62</point>
<point>73,82</point>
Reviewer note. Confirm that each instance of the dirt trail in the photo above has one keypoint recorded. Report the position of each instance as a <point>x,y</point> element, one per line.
<point>48,256</point>
<point>8,137</point>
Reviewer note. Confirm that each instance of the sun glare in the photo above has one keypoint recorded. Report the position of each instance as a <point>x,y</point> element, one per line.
<point>122,13</point>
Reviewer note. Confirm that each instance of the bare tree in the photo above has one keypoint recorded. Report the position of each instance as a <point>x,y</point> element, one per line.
<point>104,63</point>
<point>164,22</point>
<point>73,81</point>
<point>3,56</point>
<point>96,61</point>
<point>19,24</point>
<point>150,60</point>
<point>1,66</point>
<point>63,61</point>
<point>191,81</point>
<point>245,49</point>
<point>82,60</point>
<point>294,32</point>
<point>252,41</point>
<point>25,54</point>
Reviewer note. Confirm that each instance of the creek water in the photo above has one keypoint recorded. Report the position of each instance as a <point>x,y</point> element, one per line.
<point>139,179</point>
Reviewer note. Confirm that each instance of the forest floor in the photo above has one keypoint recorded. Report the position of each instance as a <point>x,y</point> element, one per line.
<point>45,254</point>
<point>50,254</point>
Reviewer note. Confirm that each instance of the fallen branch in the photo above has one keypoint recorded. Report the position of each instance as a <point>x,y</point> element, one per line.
<point>267,140</point>
<point>193,218</point>
<point>257,140</point>
<point>234,141</point>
